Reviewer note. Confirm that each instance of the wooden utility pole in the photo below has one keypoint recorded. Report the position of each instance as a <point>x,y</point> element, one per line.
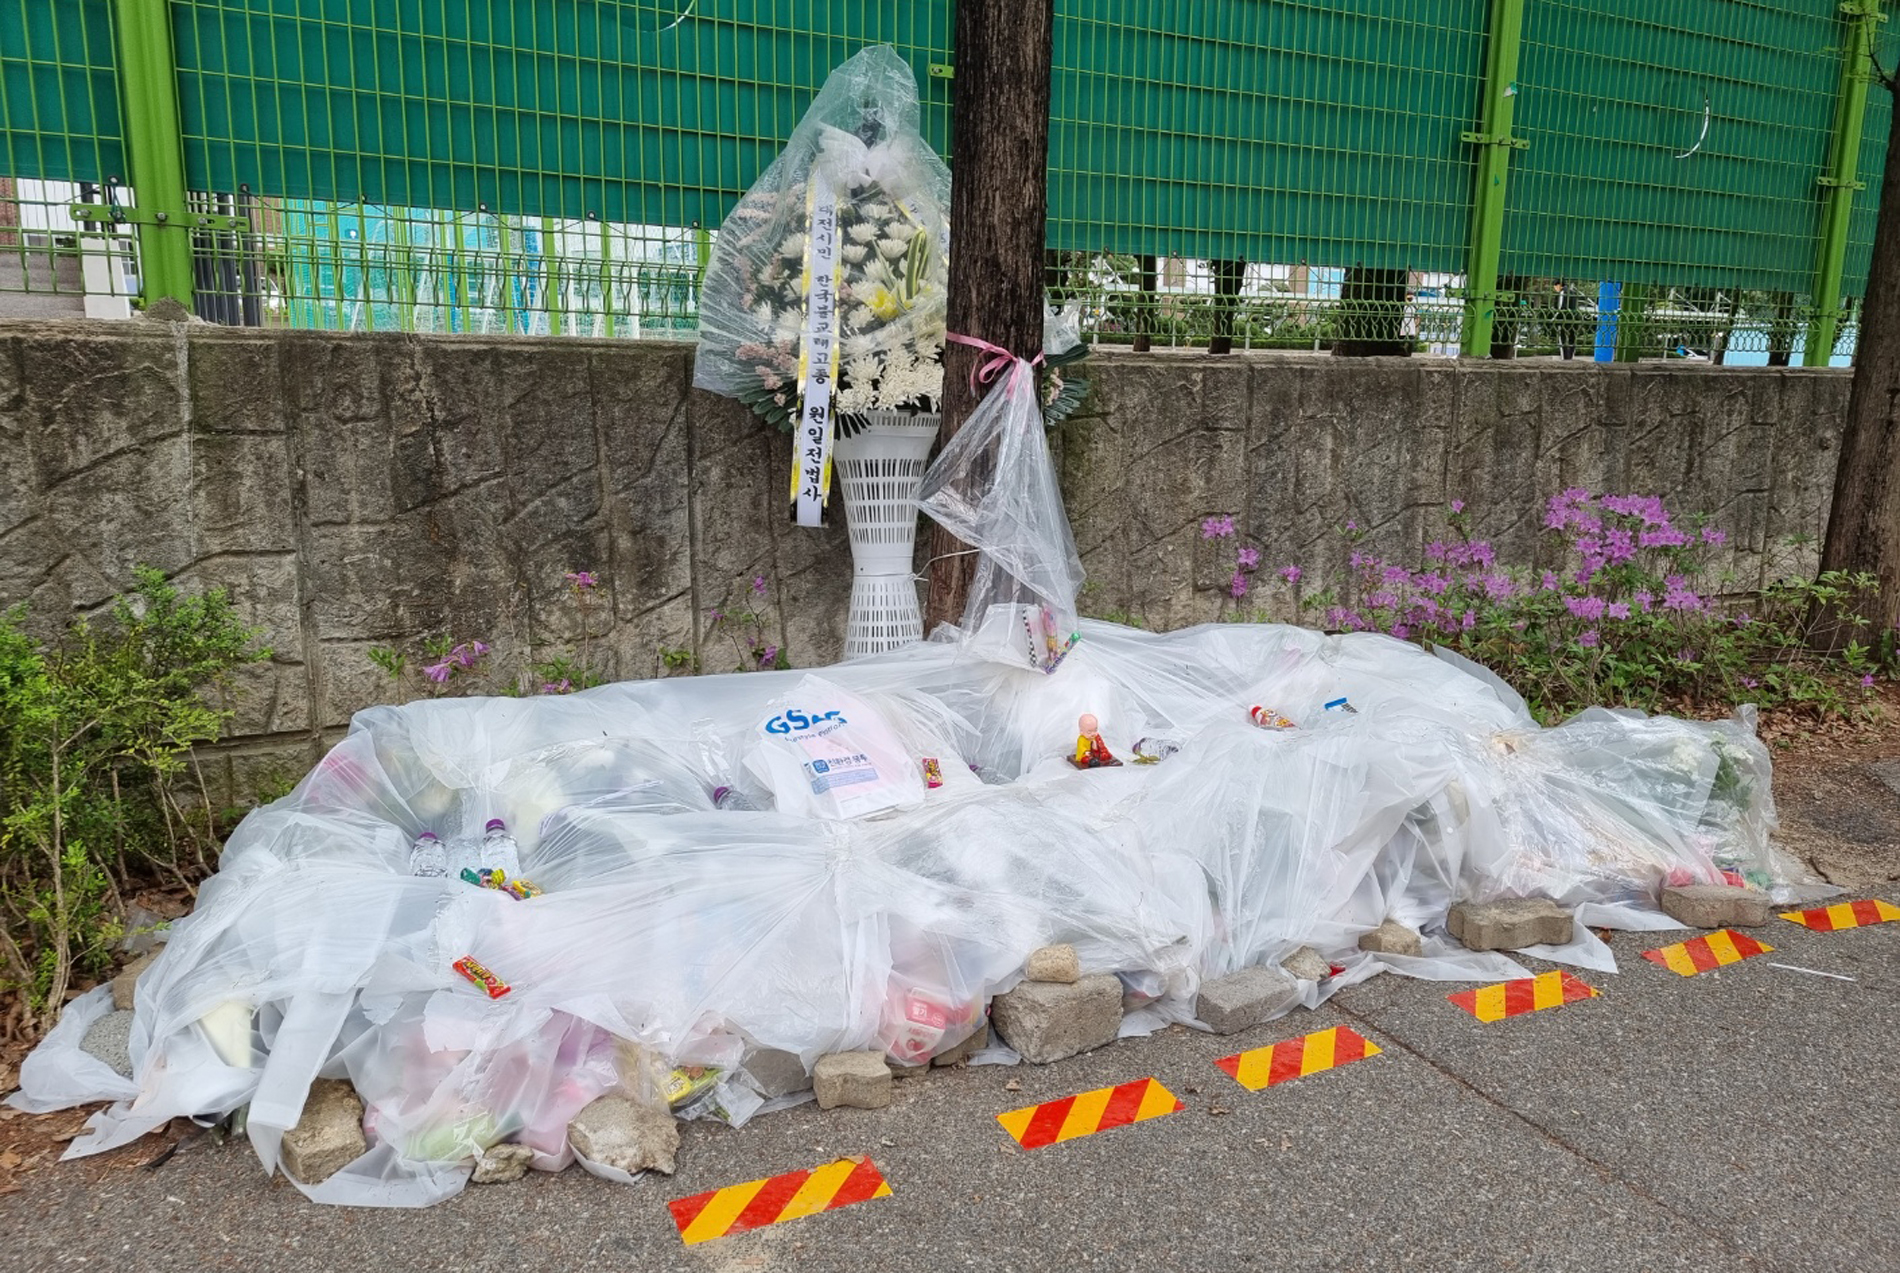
<point>998,206</point>
<point>1863,526</point>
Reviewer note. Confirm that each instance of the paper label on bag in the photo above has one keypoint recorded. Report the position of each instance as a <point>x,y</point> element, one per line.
<point>826,753</point>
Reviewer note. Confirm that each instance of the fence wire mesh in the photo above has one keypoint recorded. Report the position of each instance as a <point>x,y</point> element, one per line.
<point>1260,173</point>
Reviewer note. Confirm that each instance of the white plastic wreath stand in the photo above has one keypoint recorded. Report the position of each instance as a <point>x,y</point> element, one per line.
<point>880,470</point>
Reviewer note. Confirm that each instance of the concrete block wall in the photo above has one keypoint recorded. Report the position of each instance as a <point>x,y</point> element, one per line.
<point>362,490</point>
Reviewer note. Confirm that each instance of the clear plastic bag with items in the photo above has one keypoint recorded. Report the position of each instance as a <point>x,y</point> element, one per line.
<point>994,487</point>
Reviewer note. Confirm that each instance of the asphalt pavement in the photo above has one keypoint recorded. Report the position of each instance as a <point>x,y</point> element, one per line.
<point>1746,1118</point>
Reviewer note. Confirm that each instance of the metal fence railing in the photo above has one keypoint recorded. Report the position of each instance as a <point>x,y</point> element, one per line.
<point>1517,176</point>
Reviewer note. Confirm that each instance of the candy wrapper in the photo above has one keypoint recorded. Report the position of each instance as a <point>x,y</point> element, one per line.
<point>475,972</point>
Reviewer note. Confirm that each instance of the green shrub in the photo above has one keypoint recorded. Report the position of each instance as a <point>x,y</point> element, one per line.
<point>97,788</point>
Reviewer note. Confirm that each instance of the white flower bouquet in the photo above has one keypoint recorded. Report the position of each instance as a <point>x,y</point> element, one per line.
<point>831,271</point>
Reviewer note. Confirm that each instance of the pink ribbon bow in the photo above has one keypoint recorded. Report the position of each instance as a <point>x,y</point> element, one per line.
<point>989,368</point>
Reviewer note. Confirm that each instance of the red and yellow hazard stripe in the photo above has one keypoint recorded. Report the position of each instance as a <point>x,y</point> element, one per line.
<point>1297,1058</point>
<point>1700,954</point>
<point>776,1199</point>
<point>1088,1112</point>
<point>1828,919</point>
<point>1526,994</point>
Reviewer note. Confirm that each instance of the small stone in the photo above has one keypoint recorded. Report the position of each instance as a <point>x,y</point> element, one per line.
<point>1392,938</point>
<point>777,1073</point>
<point>616,1132</point>
<point>1715,906</point>
<point>961,1052</point>
<point>1047,1021</point>
<point>500,1164</point>
<point>1512,924</point>
<point>1245,998</point>
<point>1307,964</point>
<point>1056,964</point>
<point>110,1040</point>
<point>125,985</point>
<point>329,1135</point>
<point>860,1080</point>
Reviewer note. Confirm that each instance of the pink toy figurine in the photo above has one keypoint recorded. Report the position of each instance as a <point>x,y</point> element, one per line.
<point>1090,751</point>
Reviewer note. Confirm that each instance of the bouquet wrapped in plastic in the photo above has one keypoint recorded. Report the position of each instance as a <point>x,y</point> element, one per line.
<point>833,266</point>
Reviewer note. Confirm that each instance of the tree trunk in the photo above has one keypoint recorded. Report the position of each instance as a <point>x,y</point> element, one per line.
<point>998,206</point>
<point>1228,278</point>
<point>1863,526</point>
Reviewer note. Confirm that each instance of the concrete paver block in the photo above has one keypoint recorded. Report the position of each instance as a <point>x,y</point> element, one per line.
<point>1715,906</point>
<point>860,1080</point>
<point>1392,938</point>
<point>329,1135</point>
<point>1307,964</point>
<point>1245,998</point>
<point>1054,963</point>
<point>110,1040</point>
<point>125,985</point>
<point>1511,924</point>
<point>617,1132</point>
<point>500,1164</point>
<point>1047,1021</point>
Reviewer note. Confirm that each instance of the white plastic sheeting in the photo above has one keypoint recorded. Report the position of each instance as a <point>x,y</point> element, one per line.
<point>702,934</point>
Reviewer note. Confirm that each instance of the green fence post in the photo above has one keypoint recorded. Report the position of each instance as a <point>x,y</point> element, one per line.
<point>154,147</point>
<point>1840,181</point>
<point>1495,144</point>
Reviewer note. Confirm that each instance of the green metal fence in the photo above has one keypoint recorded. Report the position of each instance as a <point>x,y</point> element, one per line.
<point>1514,176</point>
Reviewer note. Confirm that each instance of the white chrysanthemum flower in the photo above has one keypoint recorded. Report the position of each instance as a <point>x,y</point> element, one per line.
<point>862,316</point>
<point>765,315</point>
<point>858,397</point>
<point>877,211</point>
<point>862,232</point>
<point>892,249</point>
<point>790,323</point>
<point>863,370</point>
<point>854,253</point>
<point>793,247</point>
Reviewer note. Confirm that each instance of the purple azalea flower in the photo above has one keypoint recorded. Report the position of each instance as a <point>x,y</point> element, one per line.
<point>1238,587</point>
<point>1248,558</point>
<point>562,686</point>
<point>758,585</point>
<point>1469,621</point>
<point>768,656</point>
<point>1587,639</point>
<point>1351,524</point>
<point>1551,582</point>
<point>1618,610</point>
<point>1401,631</point>
<point>1217,527</point>
<point>437,672</point>
<point>1713,537</point>
<point>1751,683</point>
<point>1867,681</point>
<point>1643,599</point>
<point>582,579</point>
<point>1291,574</point>
<point>1457,506</point>
<point>1589,609</point>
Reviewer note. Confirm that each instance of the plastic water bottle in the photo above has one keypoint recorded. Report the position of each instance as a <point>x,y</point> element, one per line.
<point>499,850</point>
<point>428,858</point>
<point>732,799</point>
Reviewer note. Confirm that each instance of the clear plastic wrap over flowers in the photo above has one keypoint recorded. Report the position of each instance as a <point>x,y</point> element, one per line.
<point>668,932</point>
<point>859,148</point>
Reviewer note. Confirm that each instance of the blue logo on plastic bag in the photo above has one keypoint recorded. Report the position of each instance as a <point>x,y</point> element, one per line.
<point>793,719</point>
